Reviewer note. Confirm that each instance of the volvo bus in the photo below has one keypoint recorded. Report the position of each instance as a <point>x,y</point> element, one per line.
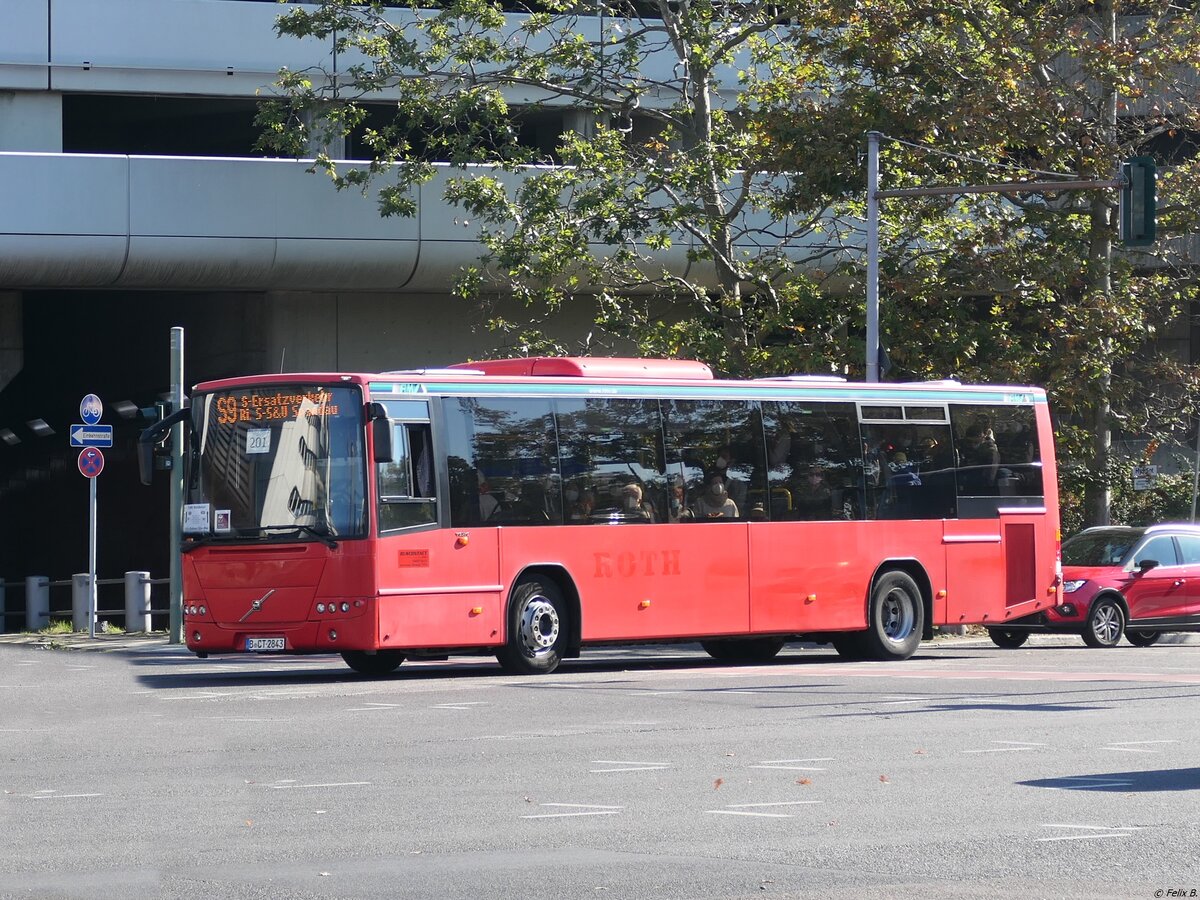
<point>530,507</point>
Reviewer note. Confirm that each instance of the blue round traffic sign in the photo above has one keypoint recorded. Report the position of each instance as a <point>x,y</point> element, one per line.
<point>91,462</point>
<point>91,409</point>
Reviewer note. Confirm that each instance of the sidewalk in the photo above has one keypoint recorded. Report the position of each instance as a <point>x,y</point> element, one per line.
<point>104,643</point>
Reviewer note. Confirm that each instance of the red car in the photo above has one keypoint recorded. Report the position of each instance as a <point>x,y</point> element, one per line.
<point>1119,580</point>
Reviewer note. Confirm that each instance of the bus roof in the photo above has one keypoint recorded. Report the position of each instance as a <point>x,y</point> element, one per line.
<point>627,377</point>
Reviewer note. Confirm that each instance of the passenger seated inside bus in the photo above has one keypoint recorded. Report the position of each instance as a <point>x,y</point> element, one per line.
<point>714,502</point>
<point>580,503</point>
<point>814,499</point>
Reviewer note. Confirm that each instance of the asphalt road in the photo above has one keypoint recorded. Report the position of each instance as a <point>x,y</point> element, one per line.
<point>967,771</point>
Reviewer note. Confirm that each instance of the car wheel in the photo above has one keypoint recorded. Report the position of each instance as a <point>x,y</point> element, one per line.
<point>1105,623</point>
<point>747,650</point>
<point>1008,638</point>
<point>896,617</point>
<point>537,628</point>
<point>1142,638</point>
<point>384,662</point>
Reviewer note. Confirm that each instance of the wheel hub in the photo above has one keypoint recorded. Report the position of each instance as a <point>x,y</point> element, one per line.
<point>898,616</point>
<point>539,626</point>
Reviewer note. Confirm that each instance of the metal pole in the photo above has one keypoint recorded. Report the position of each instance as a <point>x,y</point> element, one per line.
<point>872,256</point>
<point>176,607</point>
<point>92,605</point>
<point>1196,474</point>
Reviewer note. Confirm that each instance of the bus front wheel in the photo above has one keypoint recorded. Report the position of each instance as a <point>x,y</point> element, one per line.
<point>377,664</point>
<point>537,628</point>
<point>897,617</point>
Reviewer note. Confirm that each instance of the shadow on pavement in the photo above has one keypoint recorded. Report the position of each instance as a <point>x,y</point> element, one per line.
<point>1124,782</point>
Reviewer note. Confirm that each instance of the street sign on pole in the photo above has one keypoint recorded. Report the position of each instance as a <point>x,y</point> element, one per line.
<point>91,436</point>
<point>91,462</point>
<point>91,409</point>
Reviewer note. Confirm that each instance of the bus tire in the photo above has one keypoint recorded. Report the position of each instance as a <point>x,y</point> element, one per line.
<point>537,628</point>
<point>896,617</point>
<point>746,650</point>
<point>1142,638</point>
<point>1008,638</point>
<point>1105,623</point>
<point>376,665</point>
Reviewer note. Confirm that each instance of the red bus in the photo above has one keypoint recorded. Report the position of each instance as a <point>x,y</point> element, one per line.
<point>528,507</point>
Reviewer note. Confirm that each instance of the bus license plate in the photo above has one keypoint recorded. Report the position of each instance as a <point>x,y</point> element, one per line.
<point>264,644</point>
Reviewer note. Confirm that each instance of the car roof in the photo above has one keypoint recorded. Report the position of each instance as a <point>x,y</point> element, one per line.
<point>1158,528</point>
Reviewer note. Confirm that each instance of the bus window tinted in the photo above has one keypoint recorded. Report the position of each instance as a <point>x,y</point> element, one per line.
<point>996,451</point>
<point>610,451</point>
<point>909,471</point>
<point>715,460</point>
<point>502,462</point>
<point>814,460</point>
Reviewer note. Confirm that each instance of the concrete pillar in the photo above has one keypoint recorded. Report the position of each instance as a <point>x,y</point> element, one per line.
<point>81,601</point>
<point>333,145</point>
<point>12,337</point>
<point>37,602</point>
<point>31,121</point>
<point>137,601</point>
<point>2,606</point>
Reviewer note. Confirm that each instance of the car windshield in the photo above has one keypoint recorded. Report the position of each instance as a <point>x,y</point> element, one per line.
<point>1100,548</point>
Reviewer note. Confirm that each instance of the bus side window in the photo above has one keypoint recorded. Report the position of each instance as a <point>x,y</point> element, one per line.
<point>406,495</point>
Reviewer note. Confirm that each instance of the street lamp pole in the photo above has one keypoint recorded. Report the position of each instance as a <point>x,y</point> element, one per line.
<point>872,256</point>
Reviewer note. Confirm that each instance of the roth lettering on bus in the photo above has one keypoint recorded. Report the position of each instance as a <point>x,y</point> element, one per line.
<point>642,562</point>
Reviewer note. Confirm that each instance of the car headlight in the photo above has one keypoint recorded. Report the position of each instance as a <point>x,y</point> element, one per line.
<point>1070,587</point>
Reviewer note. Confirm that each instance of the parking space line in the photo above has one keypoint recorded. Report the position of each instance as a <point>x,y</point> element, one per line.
<point>280,787</point>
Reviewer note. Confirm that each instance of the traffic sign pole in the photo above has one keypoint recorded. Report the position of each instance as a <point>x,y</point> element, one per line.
<point>91,557</point>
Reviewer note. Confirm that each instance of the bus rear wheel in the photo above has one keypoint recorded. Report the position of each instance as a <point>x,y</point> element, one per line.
<point>1008,638</point>
<point>743,649</point>
<point>537,628</point>
<point>384,662</point>
<point>896,617</point>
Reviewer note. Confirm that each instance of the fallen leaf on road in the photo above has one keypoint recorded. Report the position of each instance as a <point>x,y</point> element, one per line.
<point>803,781</point>
<point>717,784</point>
<point>883,778</point>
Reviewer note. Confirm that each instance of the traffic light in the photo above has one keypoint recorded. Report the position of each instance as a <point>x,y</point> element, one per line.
<point>1138,202</point>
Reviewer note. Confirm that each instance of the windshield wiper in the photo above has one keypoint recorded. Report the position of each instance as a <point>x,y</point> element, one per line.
<point>322,536</point>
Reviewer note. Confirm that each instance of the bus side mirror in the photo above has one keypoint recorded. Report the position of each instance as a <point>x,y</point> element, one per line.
<point>382,440</point>
<point>152,436</point>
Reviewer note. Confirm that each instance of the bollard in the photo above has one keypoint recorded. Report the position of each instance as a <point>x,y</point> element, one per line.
<point>81,601</point>
<point>137,601</point>
<point>37,602</point>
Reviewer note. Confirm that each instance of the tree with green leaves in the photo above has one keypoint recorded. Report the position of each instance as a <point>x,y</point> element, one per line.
<point>662,206</point>
<point>706,199</point>
<point>1032,288</point>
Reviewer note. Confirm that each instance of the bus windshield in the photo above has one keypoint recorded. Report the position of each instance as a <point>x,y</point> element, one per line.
<point>277,462</point>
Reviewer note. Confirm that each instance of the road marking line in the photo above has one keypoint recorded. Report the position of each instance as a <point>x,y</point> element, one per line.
<point>1078,782</point>
<point>772,762</point>
<point>1001,750</point>
<point>791,768</point>
<point>1021,743</point>
<point>779,803</point>
<point>373,707</point>
<point>630,769</point>
<point>464,706</point>
<point>280,787</point>
<point>1119,831</point>
<point>738,812</point>
<point>586,809</point>
<point>54,796</point>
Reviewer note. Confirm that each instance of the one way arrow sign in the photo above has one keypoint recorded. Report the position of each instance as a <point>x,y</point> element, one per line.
<point>91,435</point>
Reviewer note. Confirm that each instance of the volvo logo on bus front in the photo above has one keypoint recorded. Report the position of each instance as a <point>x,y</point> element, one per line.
<point>257,605</point>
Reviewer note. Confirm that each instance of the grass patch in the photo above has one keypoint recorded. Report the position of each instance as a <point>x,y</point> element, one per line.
<point>57,626</point>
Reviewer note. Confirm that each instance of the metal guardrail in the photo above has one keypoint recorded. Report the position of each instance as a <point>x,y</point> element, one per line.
<point>37,613</point>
